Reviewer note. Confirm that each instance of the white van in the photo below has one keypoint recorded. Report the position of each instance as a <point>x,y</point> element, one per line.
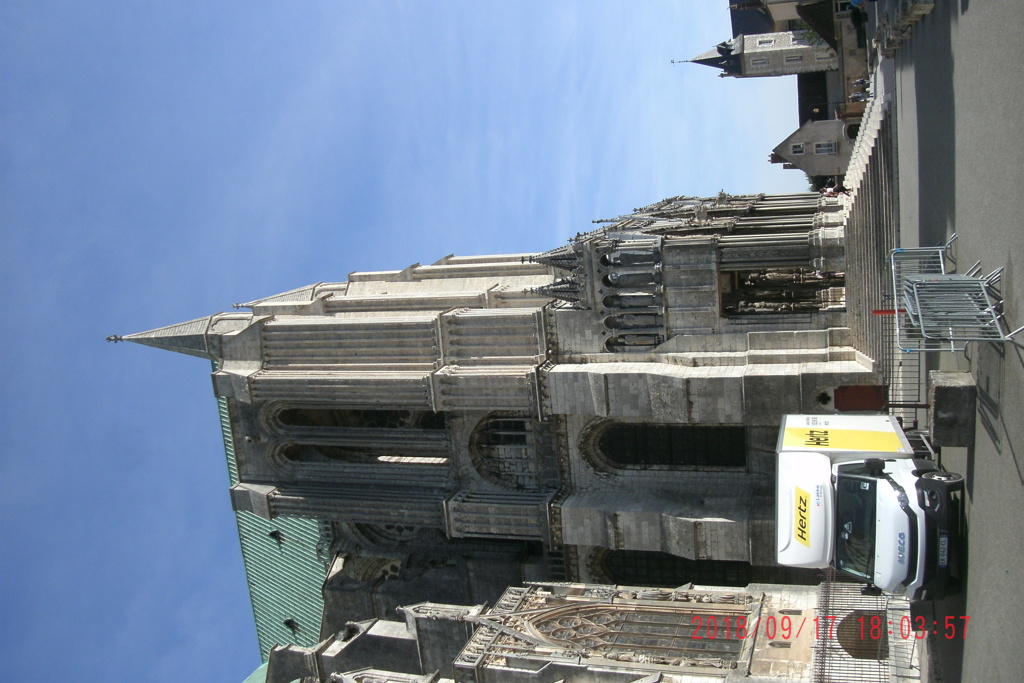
<point>852,495</point>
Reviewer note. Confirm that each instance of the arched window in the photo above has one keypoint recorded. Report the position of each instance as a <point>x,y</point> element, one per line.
<point>628,257</point>
<point>505,450</point>
<point>625,445</point>
<point>633,321</point>
<point>663,570</point>
<point>323,435</point>
<point>325,453</point>
<point>503,431</point>
<point>321,453</point>
<point>632,342</point>
<point>640,279</point>
<point>368,419</point>
<point>632,300</point>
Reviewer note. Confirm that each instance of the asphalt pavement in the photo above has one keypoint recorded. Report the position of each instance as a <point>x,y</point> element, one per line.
<point>959,134</point>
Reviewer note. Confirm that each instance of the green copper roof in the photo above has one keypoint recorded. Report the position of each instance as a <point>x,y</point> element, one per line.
<point>285,579</point>
<point>229,440</point>
<point>282,566</point>
<point>259,675</point>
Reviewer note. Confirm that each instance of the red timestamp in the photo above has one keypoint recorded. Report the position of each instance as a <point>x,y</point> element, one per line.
<point>787,628</point>
<point>875,627</point>
<point>739,628</point>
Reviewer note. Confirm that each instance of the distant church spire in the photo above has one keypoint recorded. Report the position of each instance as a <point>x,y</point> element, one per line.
<point>723,56</point>
<point>781,53</point>
<point>188,337</point>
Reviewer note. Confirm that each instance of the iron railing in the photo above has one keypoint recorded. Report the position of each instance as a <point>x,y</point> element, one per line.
<point>864,638</point>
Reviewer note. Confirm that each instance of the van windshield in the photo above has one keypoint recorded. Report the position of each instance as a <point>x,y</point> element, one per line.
<point>855,525</point>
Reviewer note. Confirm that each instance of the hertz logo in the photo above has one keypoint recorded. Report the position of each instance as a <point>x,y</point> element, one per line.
<point>802,523</point>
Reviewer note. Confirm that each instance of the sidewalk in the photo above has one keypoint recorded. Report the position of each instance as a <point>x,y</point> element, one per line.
<point>872,231</point>
<point>942,153</point>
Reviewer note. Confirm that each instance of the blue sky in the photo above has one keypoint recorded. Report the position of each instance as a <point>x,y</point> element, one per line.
<point>160,161</point>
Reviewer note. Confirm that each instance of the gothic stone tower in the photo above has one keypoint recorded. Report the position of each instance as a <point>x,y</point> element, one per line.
<point>603,412</point>
<point>769,54</point>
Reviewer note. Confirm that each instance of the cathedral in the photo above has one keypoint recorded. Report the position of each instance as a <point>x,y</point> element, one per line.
<point>603,413</point>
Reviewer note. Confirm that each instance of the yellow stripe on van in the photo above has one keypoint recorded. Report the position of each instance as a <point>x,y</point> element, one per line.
<point>827,439</point>
<point>802,517</point>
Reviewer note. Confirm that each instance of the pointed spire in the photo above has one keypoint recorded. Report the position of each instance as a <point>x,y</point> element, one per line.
<point>563,258</point>
<point>567,290</point>
<point>723,56</point>
<point>188,337</point>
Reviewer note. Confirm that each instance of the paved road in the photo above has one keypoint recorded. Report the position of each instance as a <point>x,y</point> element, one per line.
<point>960,132</point>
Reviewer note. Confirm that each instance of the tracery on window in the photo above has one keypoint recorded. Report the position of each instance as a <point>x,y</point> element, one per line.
<point>621,632</point>
<point>503,448</point>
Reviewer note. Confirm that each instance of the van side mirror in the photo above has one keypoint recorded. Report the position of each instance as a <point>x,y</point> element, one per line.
<point>875,466</point>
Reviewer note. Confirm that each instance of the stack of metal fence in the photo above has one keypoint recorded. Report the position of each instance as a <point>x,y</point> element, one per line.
<point>940,311</point>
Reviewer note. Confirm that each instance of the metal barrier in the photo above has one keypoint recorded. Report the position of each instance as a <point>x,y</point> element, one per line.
<point>904,374</point>
<point>842,652</point>
<point>863,637</point>
<point>940,311</point>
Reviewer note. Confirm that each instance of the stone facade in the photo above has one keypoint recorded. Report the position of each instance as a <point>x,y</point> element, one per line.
<point>818,148</point>
<point>592,633</point>
<point>576,632</point>
<point>605,411</point>
<point>579,632</point>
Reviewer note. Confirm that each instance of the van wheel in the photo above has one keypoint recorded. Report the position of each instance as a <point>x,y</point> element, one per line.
<point>951,481</point>
<point>948,477</point>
